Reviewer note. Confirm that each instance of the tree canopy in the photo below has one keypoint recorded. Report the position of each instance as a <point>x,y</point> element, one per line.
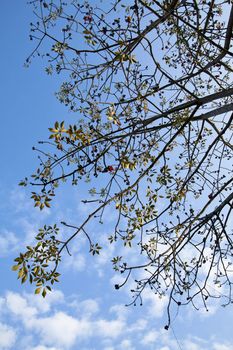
<point>150,86</point>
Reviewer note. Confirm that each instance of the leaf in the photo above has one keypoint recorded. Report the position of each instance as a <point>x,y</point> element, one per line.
<point>37,291</point>
<point>86,32</point>
<point>15,267</point>
<point>24,279</point>
<point>21,273</point>
<point>41,206</point>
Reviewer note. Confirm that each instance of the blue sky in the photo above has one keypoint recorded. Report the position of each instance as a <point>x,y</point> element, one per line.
<point>85,311</point>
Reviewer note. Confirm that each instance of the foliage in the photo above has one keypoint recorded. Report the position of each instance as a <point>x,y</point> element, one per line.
<point>150,85</point>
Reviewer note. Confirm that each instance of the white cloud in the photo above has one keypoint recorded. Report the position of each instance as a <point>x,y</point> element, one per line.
<point>54,329</point>
<point>7,336</point>
<point>218,346</point>
<point>61,329</point>
<point>102,262</point>
<point>150,338</point>
<point>22,203</point>
<point>138,326</point>
<point>19,200</point>
<point>42,347</point>
<point>75,262</point>
<point>126,344</point>
<point>155,305</point>
<point>84,209</point>
<point>28,306</point>
<point>110,329</point>
<point>2,305</point>
<point>88,307</point>
<point>117,279</point>
<point>121,311</point>
<point>188,344</point>
<point>29,229</point>
<point>45,304</point>
<point>8,242</point>
<point>19,306</point>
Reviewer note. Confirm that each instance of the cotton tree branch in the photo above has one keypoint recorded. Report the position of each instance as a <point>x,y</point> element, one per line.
<point>150,88</point>
<point>198,102</point>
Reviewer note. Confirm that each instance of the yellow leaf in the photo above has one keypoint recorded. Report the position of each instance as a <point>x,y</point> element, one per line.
<point>21,273</point>
<point>24,279</point>
<point>37,291</point>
